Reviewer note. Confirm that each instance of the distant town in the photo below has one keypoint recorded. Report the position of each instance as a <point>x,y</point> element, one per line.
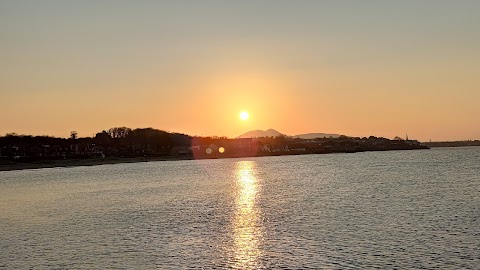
<point>122,144</point>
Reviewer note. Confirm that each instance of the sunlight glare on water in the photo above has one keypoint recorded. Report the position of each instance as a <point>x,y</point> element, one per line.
<point>246,224</point>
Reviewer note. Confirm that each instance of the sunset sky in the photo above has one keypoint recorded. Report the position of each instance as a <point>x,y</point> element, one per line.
<point>360,68</point>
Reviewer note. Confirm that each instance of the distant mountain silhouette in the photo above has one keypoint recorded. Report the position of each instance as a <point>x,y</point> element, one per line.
<point>261,133</point>
<point>274,133</point>
<point>316,135</point>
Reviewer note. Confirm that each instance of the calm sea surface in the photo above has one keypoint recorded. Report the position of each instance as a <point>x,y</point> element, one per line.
<point>386,210</point>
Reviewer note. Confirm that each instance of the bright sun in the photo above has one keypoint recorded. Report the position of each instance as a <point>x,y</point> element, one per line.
<point>244,116</point>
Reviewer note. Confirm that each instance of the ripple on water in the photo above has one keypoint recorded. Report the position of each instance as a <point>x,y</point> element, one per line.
<point>384,210</point>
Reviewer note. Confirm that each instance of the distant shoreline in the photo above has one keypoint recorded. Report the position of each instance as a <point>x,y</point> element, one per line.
<point>15,166</point>
<point>68,163</point>
<point>125,145</point>
<point>452,144</point>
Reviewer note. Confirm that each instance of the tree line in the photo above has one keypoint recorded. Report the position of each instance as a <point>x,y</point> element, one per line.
<point>117,141</point>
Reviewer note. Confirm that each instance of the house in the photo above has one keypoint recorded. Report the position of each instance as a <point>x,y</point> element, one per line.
<point>265,148</point>
<point>180,150</point>
<point>194,148</point>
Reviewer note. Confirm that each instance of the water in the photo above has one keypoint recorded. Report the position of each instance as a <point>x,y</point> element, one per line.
<point>385,210</point>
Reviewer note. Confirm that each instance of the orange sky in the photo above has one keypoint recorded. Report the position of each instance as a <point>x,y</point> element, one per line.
<point>359,69</point>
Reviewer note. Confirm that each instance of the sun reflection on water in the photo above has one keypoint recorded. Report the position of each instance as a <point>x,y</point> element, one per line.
<point>247,227</point>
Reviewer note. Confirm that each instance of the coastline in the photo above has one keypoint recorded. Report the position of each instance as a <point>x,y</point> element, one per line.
<point>68,163</point>
<point>16,166</point>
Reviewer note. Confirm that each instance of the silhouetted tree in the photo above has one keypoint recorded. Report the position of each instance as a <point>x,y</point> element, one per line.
<point>119,132</point>
<point>102,138</point>
<point>73,135</point>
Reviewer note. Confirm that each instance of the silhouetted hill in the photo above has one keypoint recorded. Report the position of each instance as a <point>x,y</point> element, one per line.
<point>316,135</point>
<point>274,133</point>
<point>261,133</point>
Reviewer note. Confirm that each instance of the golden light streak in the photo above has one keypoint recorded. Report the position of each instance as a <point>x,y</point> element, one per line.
<point>247,229</point>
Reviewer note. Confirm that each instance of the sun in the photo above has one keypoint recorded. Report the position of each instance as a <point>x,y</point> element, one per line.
<point>244,115</point>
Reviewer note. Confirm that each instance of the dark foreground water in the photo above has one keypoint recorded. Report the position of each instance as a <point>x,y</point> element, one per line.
<point>386,210</point>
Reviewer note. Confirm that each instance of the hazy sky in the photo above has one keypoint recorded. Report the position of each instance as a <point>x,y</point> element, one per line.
<point>359,68</point>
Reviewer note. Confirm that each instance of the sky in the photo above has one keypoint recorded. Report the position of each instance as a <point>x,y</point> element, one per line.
<point>359,68</point>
